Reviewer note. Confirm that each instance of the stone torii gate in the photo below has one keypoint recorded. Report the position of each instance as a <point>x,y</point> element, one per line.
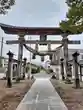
<point>22,31</point>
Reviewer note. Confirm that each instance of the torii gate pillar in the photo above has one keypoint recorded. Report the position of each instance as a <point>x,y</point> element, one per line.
<point>20,54</point>
<point>65,49</point>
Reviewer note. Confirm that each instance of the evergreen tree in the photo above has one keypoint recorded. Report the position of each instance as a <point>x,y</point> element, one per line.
<point>74,17</point>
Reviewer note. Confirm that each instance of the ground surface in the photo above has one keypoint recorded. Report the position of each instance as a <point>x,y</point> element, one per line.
<point>11,97</point>
<point>72,97</point>
<point>42,96</point>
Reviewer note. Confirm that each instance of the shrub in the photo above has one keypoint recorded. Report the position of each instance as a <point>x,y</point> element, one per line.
<point>38,70</point>
<point>33,70</point>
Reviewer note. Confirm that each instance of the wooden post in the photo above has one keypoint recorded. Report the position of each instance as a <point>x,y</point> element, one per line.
<point>75,59</point>
<point>49,46</point>
<point>36,46</point>
<point>80,73</point>
<point>20,54</point>
<point>24,67</point>
<point>58,57</point>
<point>9,72</point>
<point>1,54</point>
<point>49,49</point>
<point>33,56</point>
<point>52,58</point>
<point>62,69</point>
<point>42,58</point>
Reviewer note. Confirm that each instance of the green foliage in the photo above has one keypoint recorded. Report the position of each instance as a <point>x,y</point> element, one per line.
<point>50,70</point>
<point>5,5</point>
<point>74,17</point>
<point>44,69</point>
<point>33,71</point>
<point>38,70</point>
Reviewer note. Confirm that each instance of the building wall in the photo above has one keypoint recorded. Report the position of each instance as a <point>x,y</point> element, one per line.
<point>60,54</point>
<point>70,52</point>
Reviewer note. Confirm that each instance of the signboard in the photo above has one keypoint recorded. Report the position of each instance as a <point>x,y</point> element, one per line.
<point>43,38</point>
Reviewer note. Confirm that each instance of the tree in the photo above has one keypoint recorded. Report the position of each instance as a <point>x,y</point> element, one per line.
<point>74,17</point>
<point>5,5</point>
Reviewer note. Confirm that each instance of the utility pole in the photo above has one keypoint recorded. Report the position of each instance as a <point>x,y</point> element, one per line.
<point>29,38</point>
<point>1,51</point>
<point>1,47</point>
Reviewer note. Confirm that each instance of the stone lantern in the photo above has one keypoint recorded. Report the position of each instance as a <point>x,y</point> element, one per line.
<point>9,71</point>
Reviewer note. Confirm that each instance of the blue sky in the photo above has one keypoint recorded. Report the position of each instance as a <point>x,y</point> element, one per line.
<point>35,13</point>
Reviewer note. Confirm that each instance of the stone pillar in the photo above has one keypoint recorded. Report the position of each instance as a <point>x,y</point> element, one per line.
<point>24,67</point>
<point>65,49</point>
<point>9,71</point>
<point>75,59</point>
<point>20,54</point>
<point>62,68</point>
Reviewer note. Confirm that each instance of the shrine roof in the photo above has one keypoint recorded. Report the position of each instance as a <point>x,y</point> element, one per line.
<point>9,29</point>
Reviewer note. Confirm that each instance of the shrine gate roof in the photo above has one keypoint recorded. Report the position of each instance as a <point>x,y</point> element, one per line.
<point>9,29</point>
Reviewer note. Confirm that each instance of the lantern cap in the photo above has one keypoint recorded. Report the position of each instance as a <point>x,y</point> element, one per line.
<point>25,59</point>
<point>75,54</point>
<point>10,53</point>
<point>61,59</point>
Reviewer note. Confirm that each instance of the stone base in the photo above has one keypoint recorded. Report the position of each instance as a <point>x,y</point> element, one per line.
<point>53,77</point>
<point>28,77</point>
<point>77,83</point>
<point>68,81</point>
<point>18,79</point>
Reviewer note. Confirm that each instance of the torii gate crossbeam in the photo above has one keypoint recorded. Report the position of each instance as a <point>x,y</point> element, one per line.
<point>41,42</point>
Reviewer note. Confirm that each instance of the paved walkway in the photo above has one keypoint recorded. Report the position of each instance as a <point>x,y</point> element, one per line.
<point>42,96</point>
